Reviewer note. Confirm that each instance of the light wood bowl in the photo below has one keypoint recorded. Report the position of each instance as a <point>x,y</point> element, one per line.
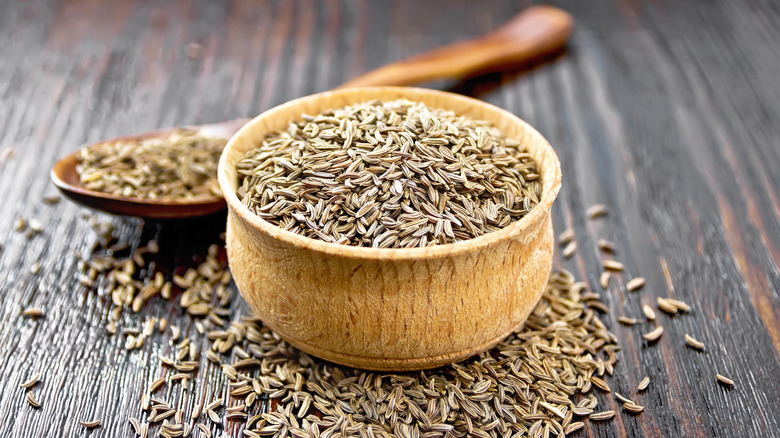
<point>390,309</point>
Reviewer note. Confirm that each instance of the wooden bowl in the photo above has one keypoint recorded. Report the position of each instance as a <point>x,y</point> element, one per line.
<point>390,309</point>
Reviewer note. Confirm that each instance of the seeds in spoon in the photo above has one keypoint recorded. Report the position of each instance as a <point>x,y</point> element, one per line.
<point>182,166</point>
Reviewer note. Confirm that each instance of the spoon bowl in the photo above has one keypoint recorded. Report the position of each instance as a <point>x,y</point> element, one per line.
<point>66,178</point>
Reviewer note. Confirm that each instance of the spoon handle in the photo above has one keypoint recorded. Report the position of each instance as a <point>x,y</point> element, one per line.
<point>534,33</point>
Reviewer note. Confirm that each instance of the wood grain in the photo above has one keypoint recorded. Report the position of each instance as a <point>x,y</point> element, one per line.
<point>667,112</point>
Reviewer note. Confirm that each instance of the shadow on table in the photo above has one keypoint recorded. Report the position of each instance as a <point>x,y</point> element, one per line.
<point>482,84</point>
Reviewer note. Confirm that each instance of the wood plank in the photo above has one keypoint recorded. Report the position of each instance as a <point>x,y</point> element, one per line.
<point>664,111</point>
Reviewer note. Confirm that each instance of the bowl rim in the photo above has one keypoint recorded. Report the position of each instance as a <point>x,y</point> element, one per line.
<point>235,206</point>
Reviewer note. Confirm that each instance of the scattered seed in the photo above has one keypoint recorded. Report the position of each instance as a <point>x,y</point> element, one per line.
<point>52,199</point>
<point>612,265</point>
<point>32,381</point>
<point>136,425</point>
<point>627,321</point>
<point>197,411</point>
<point>693,342</point>
<point>681,306</point>
<point>20,225</point>
<point>724,380</point>
<point>90,424</point>
<point>635,284</point>
<point>157,384</point>
<point>665,306</point>
<point>175,333</point>
<point>633,408</point>
<point>35,226</point>
<point>569,250</point>
<point>8,153</point>
<point>32,401</point>
<point>213,416</point>
<point>582,411</point>
<point>194,50</point>
<point>605,245</point>
<point>32,312</point>
<point>602,385</point>
<point>600,416</point>
<point>622,398</point>
<point>215,404</point>
<point>205,431</point>
<point>643,384</point>
<point>604,279</point>
<point>654,335</point>
<point>649,313</point>
<point>573,427</point>
<point>303,385</point>
<point>566,236</point>
<point>596,210</point>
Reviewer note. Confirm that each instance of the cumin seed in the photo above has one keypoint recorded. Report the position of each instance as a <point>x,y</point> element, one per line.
<point>694,342</point>
<point>654,334</point>
<point>635,284</point>
<point>724,380</point>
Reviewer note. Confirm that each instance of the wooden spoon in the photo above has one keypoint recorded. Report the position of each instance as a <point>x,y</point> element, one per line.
<point>534,33</point>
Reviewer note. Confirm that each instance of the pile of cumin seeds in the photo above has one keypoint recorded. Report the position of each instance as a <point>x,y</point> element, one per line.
<point>202,290</point>
<point>392,174</point>
<point>182,166</point>
<point>536,382</point>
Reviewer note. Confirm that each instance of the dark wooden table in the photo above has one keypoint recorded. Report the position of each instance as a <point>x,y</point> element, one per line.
<point>668,112</point>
